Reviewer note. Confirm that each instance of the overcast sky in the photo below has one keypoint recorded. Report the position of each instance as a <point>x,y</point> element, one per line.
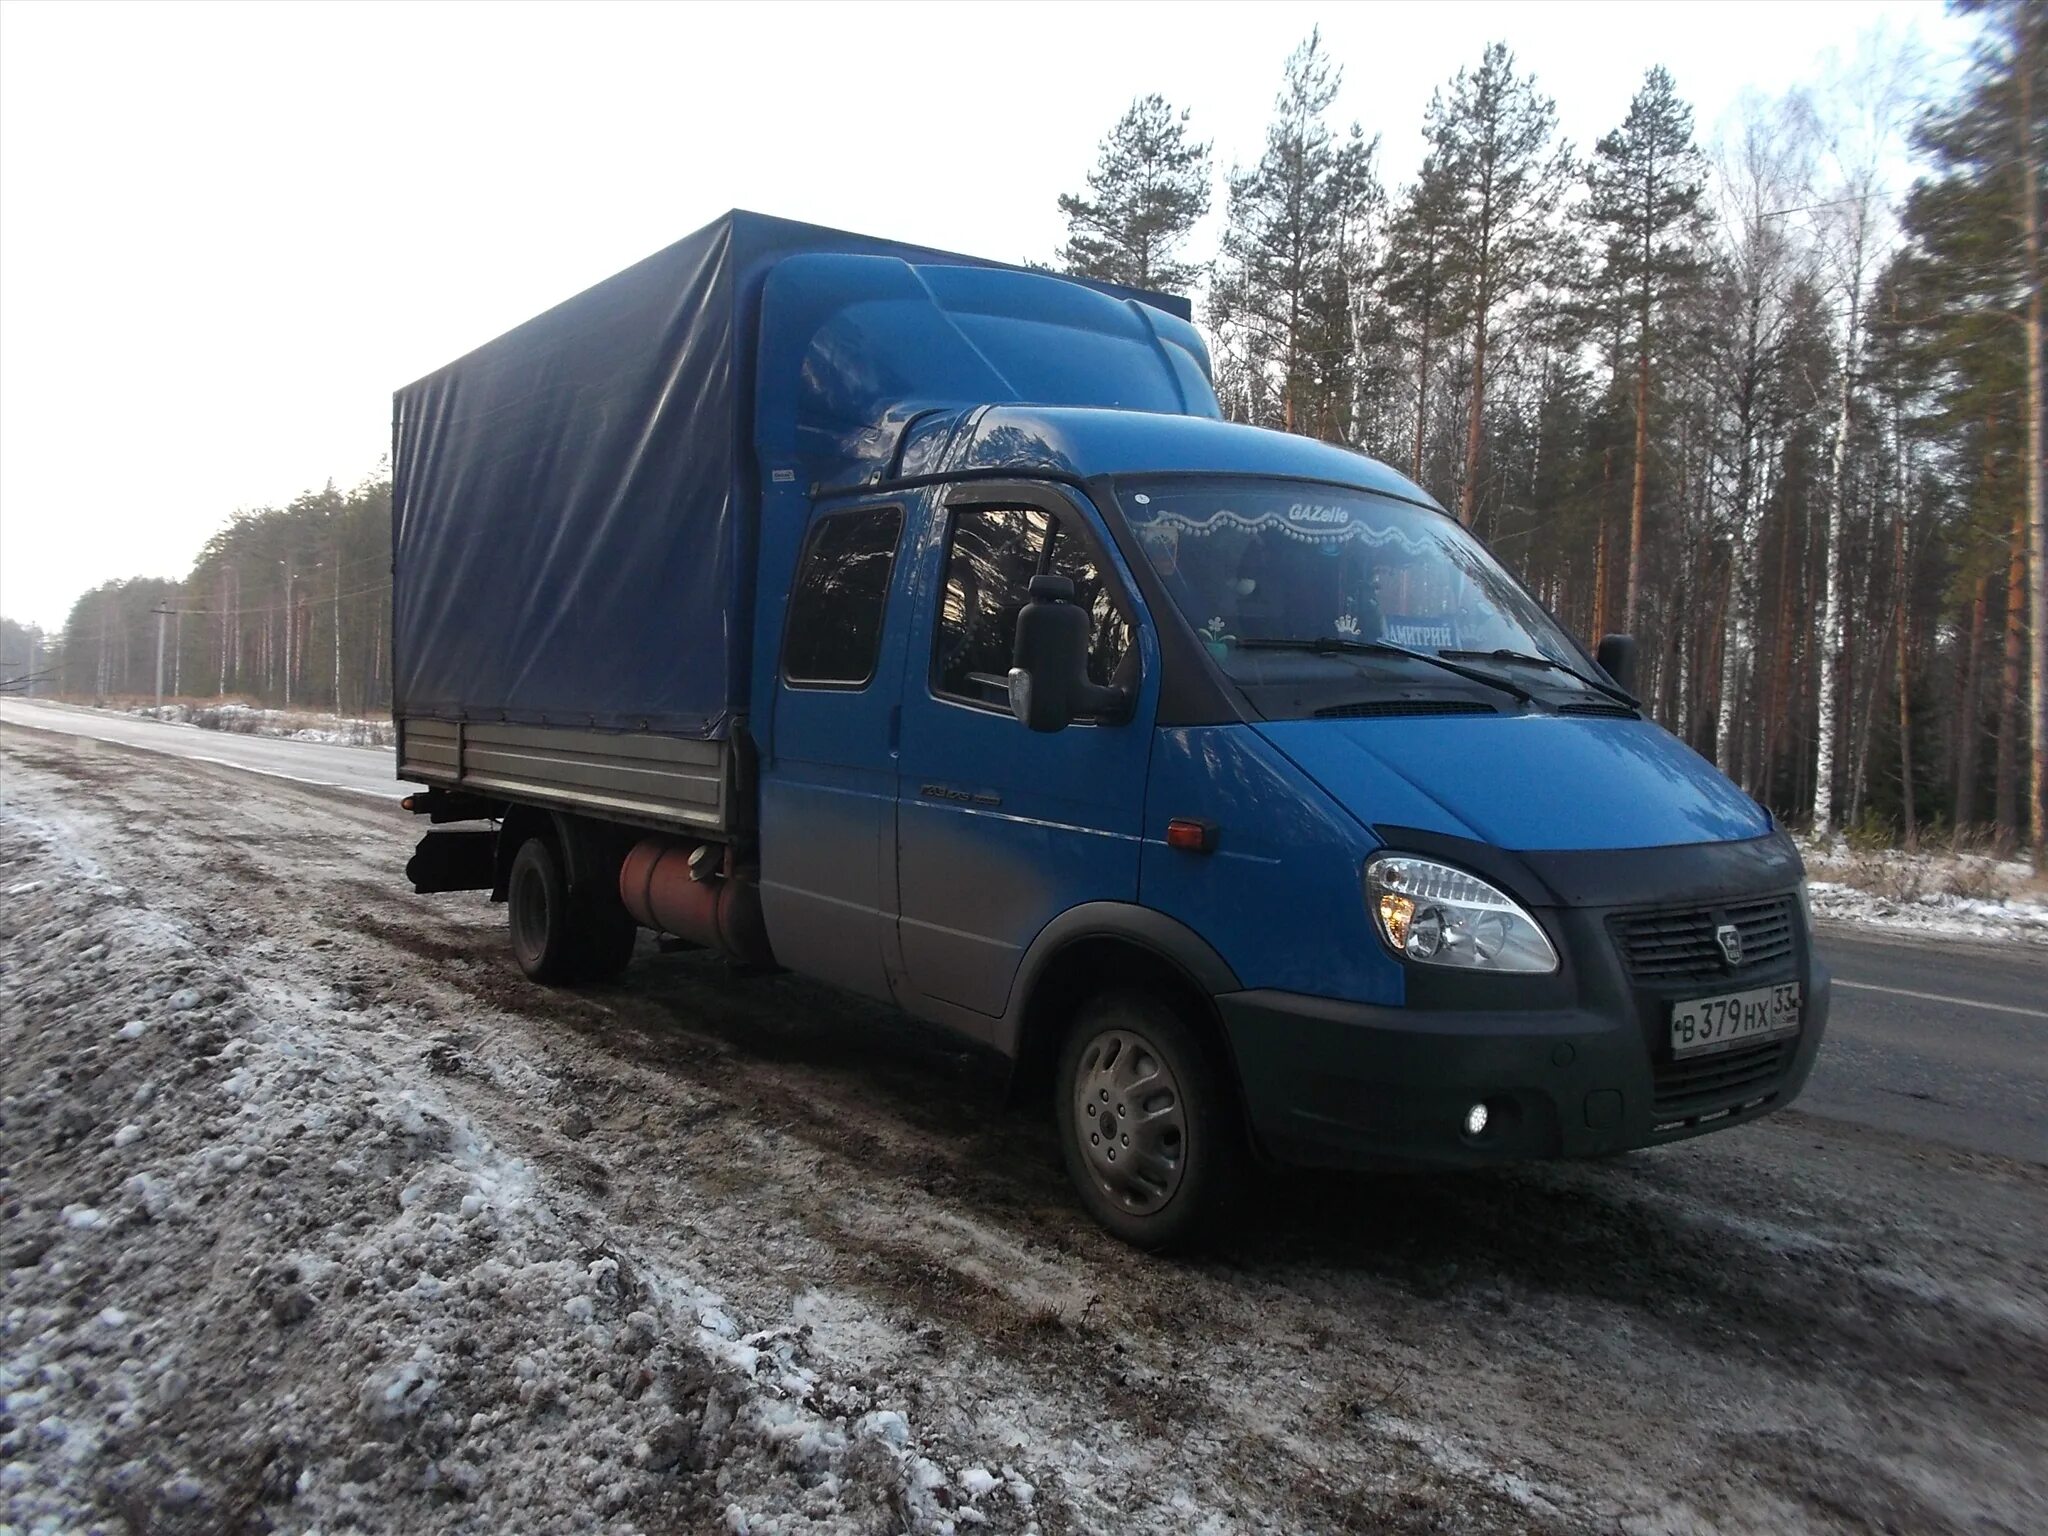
<point>227,233</point>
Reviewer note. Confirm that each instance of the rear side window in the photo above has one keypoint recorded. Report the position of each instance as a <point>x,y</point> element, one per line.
<point>990,559</point>
<point>842,588</point>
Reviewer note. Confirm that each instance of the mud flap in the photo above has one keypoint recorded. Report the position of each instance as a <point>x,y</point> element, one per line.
<point>454,861</point>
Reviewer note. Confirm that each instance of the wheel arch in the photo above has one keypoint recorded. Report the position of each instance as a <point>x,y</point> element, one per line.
<point>590,851</point>
<point>1107,947</point>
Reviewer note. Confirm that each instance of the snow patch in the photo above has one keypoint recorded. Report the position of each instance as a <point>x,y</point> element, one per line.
<point>1939,895</point>
<point>240,719</point>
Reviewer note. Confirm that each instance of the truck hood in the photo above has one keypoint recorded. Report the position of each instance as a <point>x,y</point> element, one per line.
<point>1524,783</point>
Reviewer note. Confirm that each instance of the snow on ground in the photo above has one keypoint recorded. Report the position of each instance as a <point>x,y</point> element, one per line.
<point>1956,895</point>
<point>258,1268</point>
<point>253,720</point>
<point>316,1216</point>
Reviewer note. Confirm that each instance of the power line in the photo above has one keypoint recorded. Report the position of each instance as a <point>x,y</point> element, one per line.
<point>310,602</point>
<point>1840,202</point>
<point>226,561</point>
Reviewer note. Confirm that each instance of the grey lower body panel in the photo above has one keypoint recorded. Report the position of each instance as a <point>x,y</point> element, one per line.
<point>638,777</point>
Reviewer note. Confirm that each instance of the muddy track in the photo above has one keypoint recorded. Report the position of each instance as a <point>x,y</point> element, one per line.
<point>1796,1325</point>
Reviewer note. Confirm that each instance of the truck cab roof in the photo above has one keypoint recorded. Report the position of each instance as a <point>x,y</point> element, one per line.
<point>1083,443</point>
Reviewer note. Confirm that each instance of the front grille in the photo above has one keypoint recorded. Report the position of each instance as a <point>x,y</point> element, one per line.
<point>1726,1079</point>
<point>1678,945</point>
<point>1383,707</point>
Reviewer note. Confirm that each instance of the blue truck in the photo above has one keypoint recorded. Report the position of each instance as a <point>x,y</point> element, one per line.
<point>916,624</point>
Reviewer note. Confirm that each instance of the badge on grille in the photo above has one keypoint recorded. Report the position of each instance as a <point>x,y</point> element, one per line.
<point>1729,937</point>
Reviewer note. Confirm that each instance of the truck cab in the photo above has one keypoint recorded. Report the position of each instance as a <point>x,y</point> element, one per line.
<point>1215,777</point>
<point>1347,834</point>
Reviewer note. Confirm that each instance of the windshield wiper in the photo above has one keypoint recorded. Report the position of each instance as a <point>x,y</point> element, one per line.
<point>1556,666</point>
<point>1330,645</point>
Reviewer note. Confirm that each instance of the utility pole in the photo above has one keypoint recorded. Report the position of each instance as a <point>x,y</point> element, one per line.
<point>287,564</point>
<point>162,612</point>
<point>337,637</point>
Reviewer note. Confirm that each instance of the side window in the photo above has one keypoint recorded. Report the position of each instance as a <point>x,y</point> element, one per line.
<point>842,587</point>
<point>991,556</point>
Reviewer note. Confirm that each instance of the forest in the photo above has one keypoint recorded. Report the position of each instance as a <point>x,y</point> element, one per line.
<point>1740,397</point>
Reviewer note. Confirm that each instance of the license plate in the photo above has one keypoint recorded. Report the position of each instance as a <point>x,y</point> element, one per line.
<point>1705,1024</point>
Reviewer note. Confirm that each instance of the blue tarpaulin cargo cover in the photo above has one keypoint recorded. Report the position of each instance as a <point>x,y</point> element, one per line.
<point>573,503</point>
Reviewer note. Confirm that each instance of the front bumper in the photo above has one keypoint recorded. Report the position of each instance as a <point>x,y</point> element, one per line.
<point>1339,1084</point>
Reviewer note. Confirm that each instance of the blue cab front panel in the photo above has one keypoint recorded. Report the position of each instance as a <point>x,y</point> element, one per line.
<point>1527,783</point>
<point>1281,895</point>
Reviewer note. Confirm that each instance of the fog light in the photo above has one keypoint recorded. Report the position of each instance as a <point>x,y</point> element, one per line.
<point>1475,1120</point>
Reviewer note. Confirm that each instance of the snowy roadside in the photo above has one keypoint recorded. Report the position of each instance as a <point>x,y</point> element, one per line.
<point>1950,895</point>
<point>261,1274</point>
<point>907,1361</point>
<point>288,725</point>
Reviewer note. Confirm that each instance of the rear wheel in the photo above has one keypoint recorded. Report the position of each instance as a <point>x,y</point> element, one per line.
<point>537,906</point>
<point>1148,1126</point>
<point>556,937</point>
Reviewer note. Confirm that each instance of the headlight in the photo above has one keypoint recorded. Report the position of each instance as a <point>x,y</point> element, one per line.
<point>1436,915</point>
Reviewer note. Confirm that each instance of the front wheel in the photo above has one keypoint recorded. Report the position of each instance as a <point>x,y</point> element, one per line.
<point>1148,1126</point>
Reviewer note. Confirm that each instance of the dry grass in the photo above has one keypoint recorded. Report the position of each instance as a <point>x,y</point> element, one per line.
<point>1976,879</point>
<point>1908,878</point>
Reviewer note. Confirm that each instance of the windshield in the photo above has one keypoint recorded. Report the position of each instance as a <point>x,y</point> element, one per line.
<point>1251,562</point>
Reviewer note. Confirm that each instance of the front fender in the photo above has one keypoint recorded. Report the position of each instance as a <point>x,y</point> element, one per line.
<point>1168,938</point>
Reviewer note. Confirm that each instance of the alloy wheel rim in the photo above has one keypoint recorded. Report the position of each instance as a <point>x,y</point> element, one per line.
<point>1130,1121</point>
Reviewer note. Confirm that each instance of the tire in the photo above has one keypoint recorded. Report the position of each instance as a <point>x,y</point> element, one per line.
<point>545,940</point>
<point>1169,1173</point>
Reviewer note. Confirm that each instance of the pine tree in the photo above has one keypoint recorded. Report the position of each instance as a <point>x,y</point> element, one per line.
<point>1976,222</point>
<point>1644,186</point>
<point>1296,258</point>
<point>1493,136</point>
<point>1964,317</point>
<point>1149,189</point>
<point>1419,281</point>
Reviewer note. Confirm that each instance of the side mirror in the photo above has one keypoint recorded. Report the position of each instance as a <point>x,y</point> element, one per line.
<point>1049,687</point>
<point>1617,658</point>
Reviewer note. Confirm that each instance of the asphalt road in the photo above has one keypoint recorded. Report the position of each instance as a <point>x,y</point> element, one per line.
<point>1946,1042</point>
<point>1943,1041</point>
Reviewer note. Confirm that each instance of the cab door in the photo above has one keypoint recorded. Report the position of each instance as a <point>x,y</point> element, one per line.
<point>828,795</point>
<point>999,828</point>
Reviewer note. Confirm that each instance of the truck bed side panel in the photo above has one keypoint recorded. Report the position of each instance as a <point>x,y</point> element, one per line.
<point>657,781</point>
